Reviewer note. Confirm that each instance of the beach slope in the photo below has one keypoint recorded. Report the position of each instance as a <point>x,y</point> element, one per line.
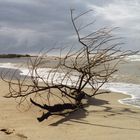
<point>104,119</point>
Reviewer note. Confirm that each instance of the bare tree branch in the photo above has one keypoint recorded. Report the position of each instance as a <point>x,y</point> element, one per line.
<point>90,66</point>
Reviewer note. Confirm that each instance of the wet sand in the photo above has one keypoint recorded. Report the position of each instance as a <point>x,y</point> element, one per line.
<point>104,119</point>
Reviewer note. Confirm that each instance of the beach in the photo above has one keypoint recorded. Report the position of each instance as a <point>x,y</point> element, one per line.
<point>105,118</point>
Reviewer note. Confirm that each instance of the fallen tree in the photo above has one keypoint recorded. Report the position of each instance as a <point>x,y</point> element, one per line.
<point>60,90</point>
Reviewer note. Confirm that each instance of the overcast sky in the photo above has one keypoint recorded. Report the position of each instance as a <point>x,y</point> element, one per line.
<point>30,25</point>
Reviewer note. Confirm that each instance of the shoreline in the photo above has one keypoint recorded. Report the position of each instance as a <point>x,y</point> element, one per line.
<point>119,87</point>
<point>129,89</point>
<point>105,118</point>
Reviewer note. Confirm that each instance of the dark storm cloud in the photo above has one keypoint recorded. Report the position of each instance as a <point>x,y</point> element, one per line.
<point>35,24</point>
<point>30,25</point>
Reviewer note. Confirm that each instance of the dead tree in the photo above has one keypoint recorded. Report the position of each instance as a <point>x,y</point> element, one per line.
<point>60,89</point>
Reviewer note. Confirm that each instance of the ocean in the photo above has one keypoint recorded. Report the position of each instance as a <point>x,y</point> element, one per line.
<point>126,80</point>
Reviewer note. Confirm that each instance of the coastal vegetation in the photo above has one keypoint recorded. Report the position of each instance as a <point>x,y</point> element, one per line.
<point>14,55</point>
<point>61,89</point>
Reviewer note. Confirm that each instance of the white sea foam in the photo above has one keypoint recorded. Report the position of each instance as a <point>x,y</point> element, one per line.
<point>8,65</point>
<point>133,58</point>
<point>56,77</point>
<point>126,88</point>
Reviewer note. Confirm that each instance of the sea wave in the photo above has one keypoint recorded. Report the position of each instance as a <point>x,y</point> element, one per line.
<point>133,58</point>
<point>8,65</point>
<point>126,88</point>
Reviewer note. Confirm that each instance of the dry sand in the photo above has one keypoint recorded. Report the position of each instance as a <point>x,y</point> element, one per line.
<point>105,119</point>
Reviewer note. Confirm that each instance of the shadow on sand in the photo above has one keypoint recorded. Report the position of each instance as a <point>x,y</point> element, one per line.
<point>78,116</point>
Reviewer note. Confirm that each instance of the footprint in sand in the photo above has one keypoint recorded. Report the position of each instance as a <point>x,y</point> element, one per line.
<point>21,136</point>
<point>7,131</point>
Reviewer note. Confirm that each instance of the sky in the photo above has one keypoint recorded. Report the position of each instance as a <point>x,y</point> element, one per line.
<point>28,26</point>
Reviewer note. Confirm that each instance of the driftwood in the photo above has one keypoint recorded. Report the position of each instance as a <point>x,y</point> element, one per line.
<point>92,65</point>
<point>56,109</point>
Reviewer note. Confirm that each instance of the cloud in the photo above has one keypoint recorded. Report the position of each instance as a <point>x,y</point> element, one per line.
<point>124,14</point>
<point>29,25</point>
<point>120,12</point>
<point>24,24</point>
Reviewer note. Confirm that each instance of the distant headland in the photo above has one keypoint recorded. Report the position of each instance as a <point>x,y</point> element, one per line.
<point>14,55</point>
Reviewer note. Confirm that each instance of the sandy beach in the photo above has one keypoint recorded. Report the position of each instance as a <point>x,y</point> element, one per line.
<point>104,119</point>
<point>69,70</point>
